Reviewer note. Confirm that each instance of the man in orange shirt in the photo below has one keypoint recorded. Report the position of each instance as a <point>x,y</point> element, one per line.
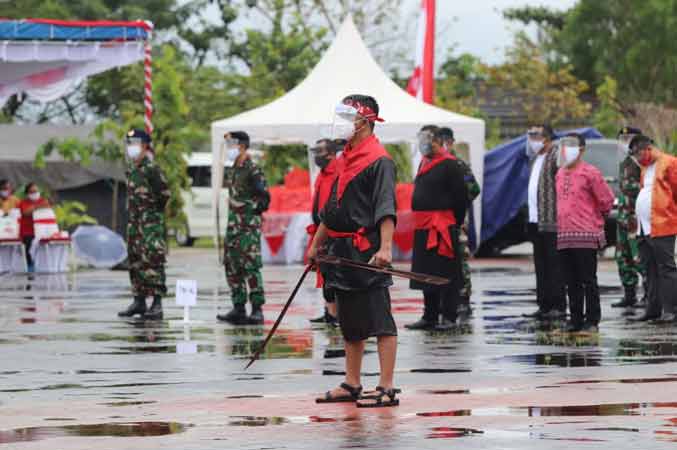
<point>656,209</point>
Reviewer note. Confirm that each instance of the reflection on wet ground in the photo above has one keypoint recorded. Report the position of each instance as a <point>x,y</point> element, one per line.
<point>92,430</point>
<point>489,382</point>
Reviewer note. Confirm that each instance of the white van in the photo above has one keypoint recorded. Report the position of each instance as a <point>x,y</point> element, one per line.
<point>198,202</point>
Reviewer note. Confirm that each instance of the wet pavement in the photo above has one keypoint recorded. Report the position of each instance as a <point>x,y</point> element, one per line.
<point>73,375</point>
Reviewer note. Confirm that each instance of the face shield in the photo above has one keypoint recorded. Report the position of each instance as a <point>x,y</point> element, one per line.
<point>424,141</point>
<point>569,149</point>
<point>343,125</point>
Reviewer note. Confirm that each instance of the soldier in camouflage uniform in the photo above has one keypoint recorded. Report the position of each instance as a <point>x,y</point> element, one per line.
<point>473,190</point>
<point>627,246</point>
<point>248,199</point>
<point>147,195</point>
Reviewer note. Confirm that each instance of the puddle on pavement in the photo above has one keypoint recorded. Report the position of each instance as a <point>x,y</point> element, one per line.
<point>252,421</point>
<point>452,432</point>
<point>612,409</point>
<point>132,429</point>
<point>132,403</point>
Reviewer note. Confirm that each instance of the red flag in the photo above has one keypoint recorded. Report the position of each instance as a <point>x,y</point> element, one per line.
<point>422,82</point>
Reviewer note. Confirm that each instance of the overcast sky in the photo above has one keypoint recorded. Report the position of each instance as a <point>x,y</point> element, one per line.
<point>477,26</point>
<point>472,26</point>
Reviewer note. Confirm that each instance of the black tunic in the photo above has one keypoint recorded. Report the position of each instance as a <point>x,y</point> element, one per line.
<point>440,188</point>
<point>368,199</point>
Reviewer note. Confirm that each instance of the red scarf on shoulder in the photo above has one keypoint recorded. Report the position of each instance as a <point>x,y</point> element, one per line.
<point>429,163</point>
<point>355,160</point>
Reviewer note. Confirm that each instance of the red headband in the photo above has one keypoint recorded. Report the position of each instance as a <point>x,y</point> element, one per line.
<point>364,111</point>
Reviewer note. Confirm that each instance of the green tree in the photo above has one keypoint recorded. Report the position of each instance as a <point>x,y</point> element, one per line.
<point>629,41</point>
<point>102,93</point>
<point>552,94</point>
<point>174,135</point>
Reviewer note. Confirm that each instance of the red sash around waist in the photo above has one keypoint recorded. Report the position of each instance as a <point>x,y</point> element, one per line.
<point>359,237</point>
<point>437,223</point>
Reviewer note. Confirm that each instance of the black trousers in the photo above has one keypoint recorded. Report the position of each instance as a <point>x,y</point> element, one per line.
<point>579,266</point>
<point>445,300</point>
<point>28,241</point>
<point>549,280</point>
<point>658,254</point>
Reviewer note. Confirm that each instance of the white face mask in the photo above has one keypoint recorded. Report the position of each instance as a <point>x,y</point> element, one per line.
<point>4,193</point>
<point>232,154</point>
<point>534,147</point>
<point>133,151</point>
<point>34,196</point>
<point>570,155</point>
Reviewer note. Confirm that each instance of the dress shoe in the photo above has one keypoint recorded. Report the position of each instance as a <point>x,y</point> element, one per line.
<point>422,324</point>
<point>138,306</point>
<point>574,327</point>
<point>644,318</point>
<point>256,317</point>
<point>590,328</point>
<point>236,316</point>
<point>629,311</point>
<point>665,319</point>
<point>555,314</point>
<point>155,311</point>
<point>445,325</point>
<point>538,314</point>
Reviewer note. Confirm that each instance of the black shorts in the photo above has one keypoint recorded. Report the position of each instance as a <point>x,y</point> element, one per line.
<point>364,314</point>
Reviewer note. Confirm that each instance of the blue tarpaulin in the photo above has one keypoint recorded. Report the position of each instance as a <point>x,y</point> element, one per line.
<point>506,178</point>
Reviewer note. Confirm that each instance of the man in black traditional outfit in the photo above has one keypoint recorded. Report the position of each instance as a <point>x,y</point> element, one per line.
<point>360,217</point>
<point>439,204</point>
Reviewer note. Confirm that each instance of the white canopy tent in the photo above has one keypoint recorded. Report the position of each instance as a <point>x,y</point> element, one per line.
<point>305,112</point>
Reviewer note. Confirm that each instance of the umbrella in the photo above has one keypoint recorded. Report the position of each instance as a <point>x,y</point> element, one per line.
<point>99,246</point>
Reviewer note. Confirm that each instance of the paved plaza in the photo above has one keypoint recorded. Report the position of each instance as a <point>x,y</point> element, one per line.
<point>74,376</point>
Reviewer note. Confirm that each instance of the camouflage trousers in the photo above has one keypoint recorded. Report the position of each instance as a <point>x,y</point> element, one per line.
<point>464,254</point>
<point>146,257</point>
<point>627,258</point>
<point>242,258</point>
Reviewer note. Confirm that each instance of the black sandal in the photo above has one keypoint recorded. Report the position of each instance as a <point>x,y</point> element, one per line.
<point>353,395</point>
<point>376,398</point>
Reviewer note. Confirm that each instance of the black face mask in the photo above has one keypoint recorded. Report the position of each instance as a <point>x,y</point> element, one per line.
<point>322,161</point>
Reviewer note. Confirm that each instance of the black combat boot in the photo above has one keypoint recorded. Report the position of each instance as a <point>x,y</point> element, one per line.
<point>629,299</point>
<point>430,314</point>
<point>138,306</point>
<point>155,311</point>
<point>236,316</point>
<point>256,317</point>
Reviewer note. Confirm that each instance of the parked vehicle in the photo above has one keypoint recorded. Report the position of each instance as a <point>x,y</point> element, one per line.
<point>603,154</point>
<point>198,202</point>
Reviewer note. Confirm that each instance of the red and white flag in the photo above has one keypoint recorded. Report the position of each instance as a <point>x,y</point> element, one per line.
<point>422,83</point>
